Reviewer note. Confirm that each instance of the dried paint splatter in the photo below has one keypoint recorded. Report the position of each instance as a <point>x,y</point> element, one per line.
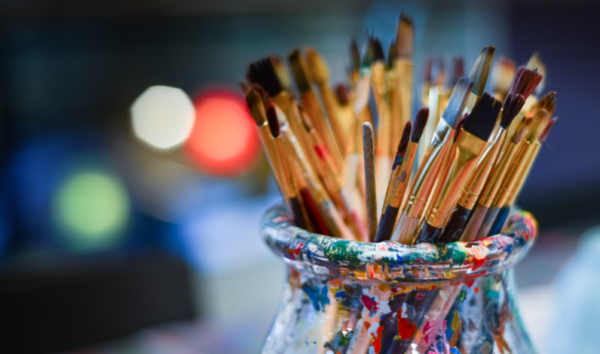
<point>317,295</point>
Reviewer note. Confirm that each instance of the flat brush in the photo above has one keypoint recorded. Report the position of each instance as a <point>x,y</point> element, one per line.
<point>319,74</point>
<point>479,75</point>
<point>523,85</point>
<point>437,100</point>
<point>535,63</point>
<point>469,145</point>
<point>369,155</point>
<point>399,181</point>
<point>492,185</point>
<point>346,114</point>
<point>312,107</point>
<point>386,225</point>
<point>503,214</point>
<point>417,201</point>
<point>287,183</point>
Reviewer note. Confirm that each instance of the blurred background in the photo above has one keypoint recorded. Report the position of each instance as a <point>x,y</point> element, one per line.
<point>132,177</point>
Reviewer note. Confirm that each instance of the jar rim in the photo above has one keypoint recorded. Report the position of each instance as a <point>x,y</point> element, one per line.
<point>392,261</point>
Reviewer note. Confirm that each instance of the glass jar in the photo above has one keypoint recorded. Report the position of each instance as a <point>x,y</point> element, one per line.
<point>370,298</point>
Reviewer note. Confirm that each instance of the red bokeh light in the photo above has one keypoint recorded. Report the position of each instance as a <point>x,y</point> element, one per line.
<point>224,140</point>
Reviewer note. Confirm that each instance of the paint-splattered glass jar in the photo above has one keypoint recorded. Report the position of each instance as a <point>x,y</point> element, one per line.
<point>363,298</point>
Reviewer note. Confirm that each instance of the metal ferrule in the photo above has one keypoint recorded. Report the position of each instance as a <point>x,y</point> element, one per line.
<point>500,170</point>
<point>417,201</point>
<point>468,148</point>
<point>472,189</point>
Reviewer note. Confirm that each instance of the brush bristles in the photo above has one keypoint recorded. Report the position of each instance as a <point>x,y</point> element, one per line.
<point>405,137</point>
<point>341,92</point>
<point>481,69</point>
<point>316,66</point>
<point>263,73</point>
<point>525,81</point>
<point>355,55</point>
<point>300,72</point>
<point>392,55</point>
<point>282,74</point>
<point>544,133</point>
<point>378,54</point>
<point>405,37</point>
<point>458,70</point>
<point>272,119</point>
<point>521,130</point>
<point>419,126</point>
<point>457,102</point>
<point>540,120</point>
<point>511,108</point>
<point>548,102</point>
<point>255,103</point>
<point>482,119</point>
<point>535,63</point>
<point>503,74</point>
<point>369,54</point>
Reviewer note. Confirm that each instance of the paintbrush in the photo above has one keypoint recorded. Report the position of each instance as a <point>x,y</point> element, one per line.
<point>270,73</point>
<point>437,100</point>
<point>521,178</point>
<point>509,181</point>
<point>427,82</point>
<point>341,196</point>
<point>463,155</point>
<point>312,106</point>
<point>369,156</point>
<point>415,206</point>
<point>386,224</point>
<point>319,73</point>
<point>458,71</point>
<point>503,73</point>
<point>287,183</point>
<point>399,181</point>
<point>403,67</point>
<point>523,85</point>
<point>330,215</point>
<point>346,114</point>
<point>535,63</point>
<point>353,72</point>
<point>479,75</point>
<point>492,185</point>
<point>383,151</point>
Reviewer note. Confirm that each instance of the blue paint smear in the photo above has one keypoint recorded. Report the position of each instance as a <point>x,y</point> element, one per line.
<point>317,295</point>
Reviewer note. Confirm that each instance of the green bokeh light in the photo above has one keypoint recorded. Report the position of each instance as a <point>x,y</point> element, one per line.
<point>92,208</point>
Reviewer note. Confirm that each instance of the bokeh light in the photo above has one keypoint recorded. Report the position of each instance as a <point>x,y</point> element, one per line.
<point>163,117</point>
<point>224,140</point>
<point>92,208</point>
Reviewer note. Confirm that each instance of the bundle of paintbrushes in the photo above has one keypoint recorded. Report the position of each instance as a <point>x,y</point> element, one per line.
<point>352,163</point>
<point>345,159</point>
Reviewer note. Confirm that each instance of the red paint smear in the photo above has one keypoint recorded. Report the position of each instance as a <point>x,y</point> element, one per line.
<point>478,262</point>
<point>476,290</point>
<point>297,251</point>
<point>369,303</point>
<point>470,283</point>
<point>321,151</point>
<point>419,296</point>
<point>377,340</point>
<point>406,329</point>
<point>313,213</point>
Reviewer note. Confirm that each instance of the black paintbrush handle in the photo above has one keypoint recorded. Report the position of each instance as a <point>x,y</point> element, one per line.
<point>428,233</point>
<point>500,221</point>
<point>456,224</point>
<point>386,224</point>
<point>297,213</point>
<point>488,221</point>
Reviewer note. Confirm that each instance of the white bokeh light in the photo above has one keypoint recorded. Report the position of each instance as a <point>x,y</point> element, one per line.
<point>163,117</point>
